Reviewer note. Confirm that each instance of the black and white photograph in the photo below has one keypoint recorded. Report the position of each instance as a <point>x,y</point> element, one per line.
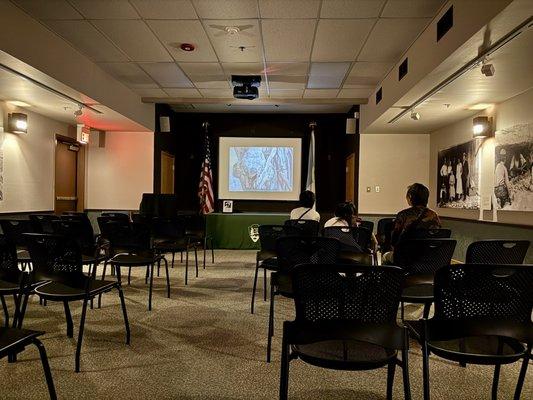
<point>458,176</point>
<point>513,171</point>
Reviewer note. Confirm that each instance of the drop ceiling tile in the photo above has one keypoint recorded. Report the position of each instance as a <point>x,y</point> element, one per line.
<point>186,93</point>
<point>50,9</point>
<point>321,93</point>
<point>105,9</point>
<point>327,75</point>
<point>173,33</point>
<point>227,9</point>
<point>286,94</point>
<point>87,39</point>
<point>356,93</point>
<point>287,68</point>
<point>367,73</point>
<point>134,38</point>
<point>243,68</point>
<point>130,74</point>
<point>167,74</point>
<point>211,82</point>
<point>289,9</point>
<point>390,38</point>
<point>288,40</point>
<point>165,9</point>
<point>351,8</point>
<point>340,39</point>
<point>150,92</point>
<point>244,46</point>
<point>412,8</point>
<point>217,93</point>
<point>292,82</point>
<point>201,68</point>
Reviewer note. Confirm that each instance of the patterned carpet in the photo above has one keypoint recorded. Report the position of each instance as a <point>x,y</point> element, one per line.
<point>203,343</point>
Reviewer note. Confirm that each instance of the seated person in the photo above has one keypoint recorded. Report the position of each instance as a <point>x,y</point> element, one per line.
<point>344,215</point>
<point>417,216</point>
<point>306,211</point>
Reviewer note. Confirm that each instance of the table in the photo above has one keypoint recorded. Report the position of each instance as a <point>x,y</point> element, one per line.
<point>232,231</point>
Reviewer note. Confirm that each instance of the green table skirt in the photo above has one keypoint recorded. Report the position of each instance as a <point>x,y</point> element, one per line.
<point>232,231</point>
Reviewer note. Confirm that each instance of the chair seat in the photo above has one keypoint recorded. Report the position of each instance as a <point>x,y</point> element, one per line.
<point>263,255</point>
<point>168,246</point>
<point>23,256</point>
<point>422,293</point>
<point>344,354</point>
<point>348,257</point>
<point>133,260</point>
<point>6,286</point>
<point>11,339</point>
<point>56,290</point>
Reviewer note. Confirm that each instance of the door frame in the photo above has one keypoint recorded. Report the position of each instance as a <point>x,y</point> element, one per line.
<point>81,170</point>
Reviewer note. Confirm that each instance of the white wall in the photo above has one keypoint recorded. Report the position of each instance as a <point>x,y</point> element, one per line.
<point>514,111</point>
<point>121,172</point>
<point>29,163</point>
<point>391,161</point>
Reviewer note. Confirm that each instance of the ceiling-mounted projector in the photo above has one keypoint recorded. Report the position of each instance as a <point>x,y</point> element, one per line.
<point>246,86</point>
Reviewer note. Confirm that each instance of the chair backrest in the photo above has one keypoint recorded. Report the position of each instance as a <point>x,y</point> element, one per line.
<point>329,292</point>
<point>14,230</point>
<point>497,252</point>
<point>384,233</point>
<point>294,250</point>
<point>367,224</point>
<point>438,233</point>
<point>43,223</point>
<point>76,230</point>
<point>82,218</point>
<point>424,256</point>
<point>125,236</point>
<point>354,239</point>
<point>307,227</point>
<point>168,228</point>
<point>472,291</point>
<point>117,215</point>
<point>9,270</point>
<point>54,257</point>
<point>195,224</point>
<point>269,234</point>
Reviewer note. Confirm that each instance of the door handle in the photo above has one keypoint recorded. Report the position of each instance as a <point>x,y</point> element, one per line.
<point>67,198</point>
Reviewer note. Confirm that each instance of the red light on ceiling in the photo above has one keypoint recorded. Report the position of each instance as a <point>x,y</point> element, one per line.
<point>187,47</point>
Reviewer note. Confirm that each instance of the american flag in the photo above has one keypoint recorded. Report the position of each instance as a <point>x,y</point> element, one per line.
<point>205,188</point>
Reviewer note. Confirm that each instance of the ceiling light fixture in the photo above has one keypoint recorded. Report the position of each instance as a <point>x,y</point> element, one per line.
<point>487,69</point>
<point>482,127</point>
<point>17,123</point>
<point>187,47</point>
<point>232,30</point>
<point>414,115</point>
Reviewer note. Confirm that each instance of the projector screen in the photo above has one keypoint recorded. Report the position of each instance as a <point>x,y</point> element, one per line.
<point>259,168</point>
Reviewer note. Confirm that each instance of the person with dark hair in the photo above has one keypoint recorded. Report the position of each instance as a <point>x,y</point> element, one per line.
<point>344,215</point>
<point>306,210</point>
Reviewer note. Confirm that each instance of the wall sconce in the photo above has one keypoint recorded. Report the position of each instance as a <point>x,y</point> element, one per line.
<point>482,127</point>
<point>17,123</point>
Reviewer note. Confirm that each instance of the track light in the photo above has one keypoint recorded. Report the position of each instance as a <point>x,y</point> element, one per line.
<point>414,115</point>
<point>482,127</point>
<point>17,123</point>
<point>487,69</point>
<point>79,111</point>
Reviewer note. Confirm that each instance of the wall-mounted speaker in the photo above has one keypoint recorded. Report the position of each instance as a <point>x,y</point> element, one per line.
<point>164,124</point>
<point>351,124</point>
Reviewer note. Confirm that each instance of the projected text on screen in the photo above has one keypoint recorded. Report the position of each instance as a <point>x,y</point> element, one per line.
<point>260,169</point>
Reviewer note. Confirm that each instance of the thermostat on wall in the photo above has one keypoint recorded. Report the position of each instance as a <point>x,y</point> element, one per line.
<point>227,206</point>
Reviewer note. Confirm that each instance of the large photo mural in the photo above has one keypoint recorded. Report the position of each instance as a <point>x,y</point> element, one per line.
<point>513,171</point>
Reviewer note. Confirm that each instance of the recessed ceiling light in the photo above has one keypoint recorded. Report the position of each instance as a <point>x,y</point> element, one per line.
<point>18,103</point>
<point>480,106</point>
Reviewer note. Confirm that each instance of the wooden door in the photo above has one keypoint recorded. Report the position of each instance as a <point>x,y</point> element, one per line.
<point>350,178</point>
<point>66,177</point>
<point>167,173</point>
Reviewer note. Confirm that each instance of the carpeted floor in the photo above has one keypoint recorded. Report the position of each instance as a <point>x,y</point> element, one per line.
<point>203,343</point>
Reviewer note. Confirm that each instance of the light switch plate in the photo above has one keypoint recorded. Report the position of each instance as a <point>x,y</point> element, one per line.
<point>378,189</point>
<point>368,189</point>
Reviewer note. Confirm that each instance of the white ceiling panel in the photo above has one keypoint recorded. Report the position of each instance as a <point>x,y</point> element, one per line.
<point>165,9</point>
<point>130,74</point>
<point>327,75</point>
<point>351,8</point>
<point>288,40</point>
<point>287,81</point>
<point>105,9</point>
<point>149,92</point>
<point>87,39</point>
<point>340,40</point>
<point>173,33</point>
<point>286,94</point>
<point>289,9</point>
<point>243,68</point>
<point>287,68</point>
<point>50,9</point>
<point>390,38</point>
<point>356,93</point>
<point>367,73</point>
<point>321,93</point>
<point>412,8</point>
<point>217,93</point>
<point>229,47</point>
<point>187,93</point>
<point>202,68</point>
<point>226,9</point>
<point>135,39</point>
<point>211,82</point>
<point>167,74</point>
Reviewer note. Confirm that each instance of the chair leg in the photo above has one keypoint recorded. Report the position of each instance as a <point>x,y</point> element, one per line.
<point>270,325</point>
<point>405,373</point>
<point>129,276</point>
<point>168,277</point>
<point>427,308</point>
<point>402,311</point>
<point>80,334</point>
<point>390,378</point>
<point>212,252</point>
<point>158,267</point>
<point>425,369</point>
<point>173,257</point>
<point>186,265</point>
<point>522,375</point>
<point>46,368</point>
<point>196,259</point>
<point>16,314</point>
<point>103,278</point>
<point>6,312</point>
<point>151,271</point>
<point>22,313</point>
<point>497,367</point>
<point>255,286</point>
<point>124,313</point>
<point>284,373</point>
<point>181,256</point>
<point>205,246</point>
<point>264,284</point>
<point>68,316</point>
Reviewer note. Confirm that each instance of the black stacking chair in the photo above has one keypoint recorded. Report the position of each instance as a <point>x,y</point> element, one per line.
<point>43,223</point>
<point>497,252</point>
<point>117,216</point>
<point>356,243</point>
<point>14,341</point>
<point>196,231</point>
<point>384,233</point>
<point>12,279</point>
<point>131,246</point>
<point>292,251</point>
<point>14,230</point>
<point>84,221</point>
<point>367,224</point>
<point>307,227</point>
<point>346,320</point>
<point>482,316</point>
<point>169,237</point>
<point>420,259</point>
<point>57,265</point>
<point>438,233</point>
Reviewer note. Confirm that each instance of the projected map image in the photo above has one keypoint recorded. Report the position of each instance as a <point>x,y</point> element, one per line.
<point>260,169</point>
